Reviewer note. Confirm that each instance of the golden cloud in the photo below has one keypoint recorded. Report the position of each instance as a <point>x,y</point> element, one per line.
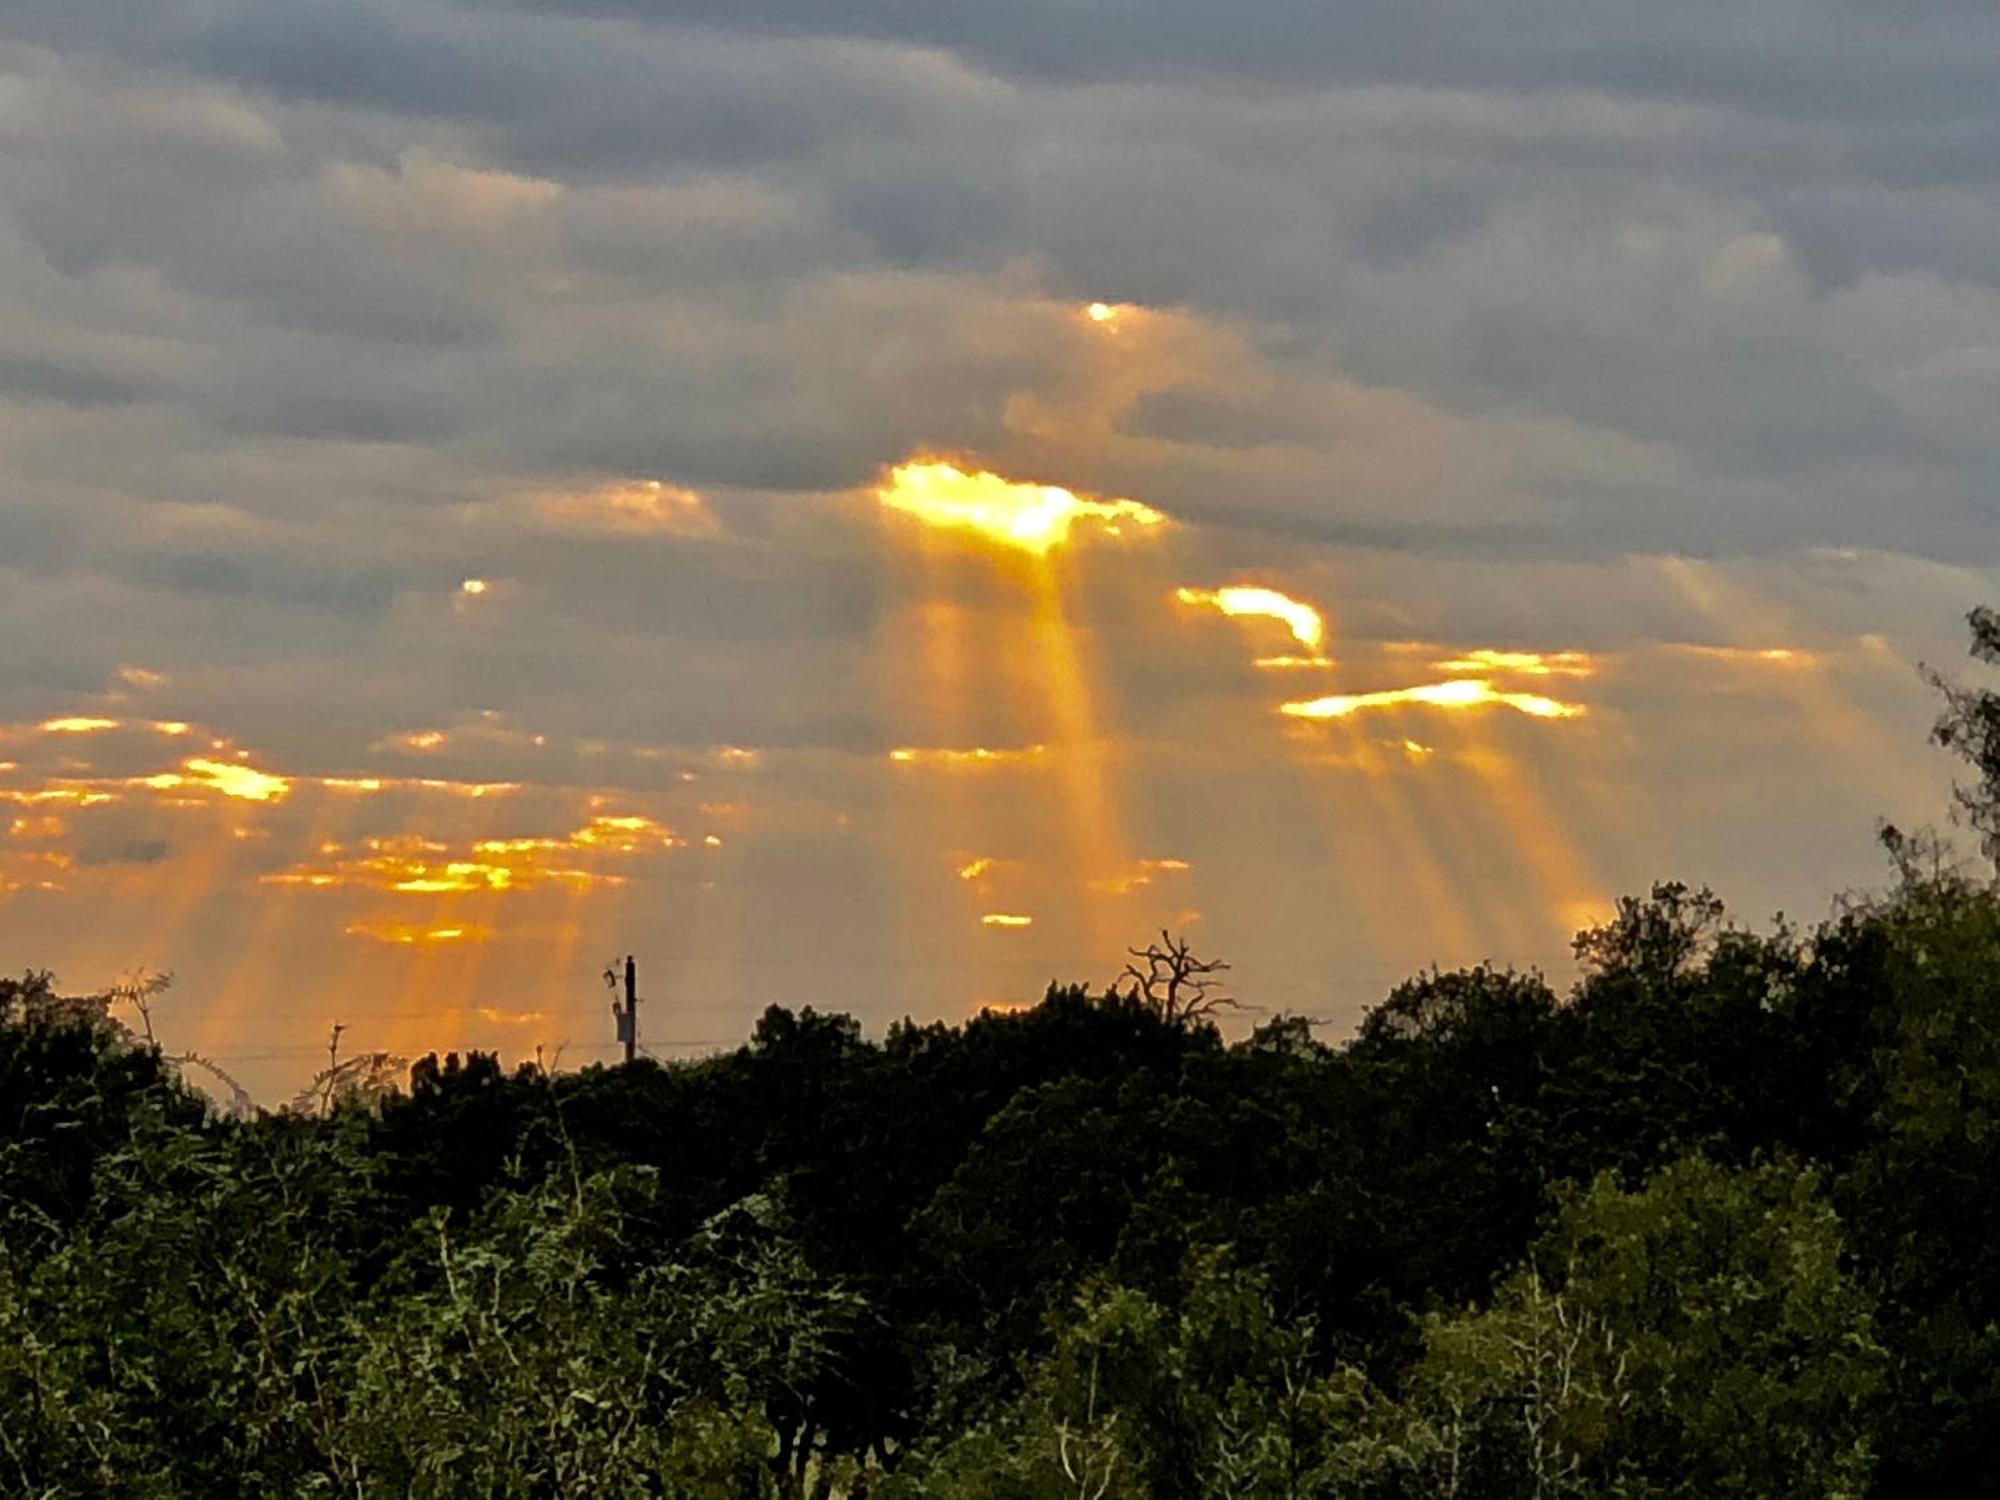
<point>230,778</point>
<point>409,864</point>
<point>1029,517</point>
<point>1142,873</point>
<point>404,934</point>
<point>1251,601</point>
<point>1462,693</point>
<point>1524,663</point>
<point>974,757</point>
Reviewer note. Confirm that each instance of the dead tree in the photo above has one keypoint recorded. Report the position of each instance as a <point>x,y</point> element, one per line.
<point>1175,985</point>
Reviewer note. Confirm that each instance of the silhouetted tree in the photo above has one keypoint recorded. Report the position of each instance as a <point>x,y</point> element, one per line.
<point>1970,727</point>
<point>1174,984</point>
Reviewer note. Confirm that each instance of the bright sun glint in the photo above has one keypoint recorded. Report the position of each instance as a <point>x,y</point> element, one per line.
<point>1239,600</point>
<point>232,780</point>
<point>1464,692</point>
<point>1031,517</point>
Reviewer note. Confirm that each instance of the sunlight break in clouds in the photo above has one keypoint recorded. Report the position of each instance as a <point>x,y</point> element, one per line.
<point>411,935</point>
<point>410,864</point>
<point>228,778</point>
<point>1241,601</point>
<point>1031,517</point>
<point>1527,663</point>
<point>1141,875</point>
<point>1466,692</point>
<point>970,758</point>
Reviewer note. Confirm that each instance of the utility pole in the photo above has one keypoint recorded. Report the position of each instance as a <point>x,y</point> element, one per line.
<point>628,1013</point>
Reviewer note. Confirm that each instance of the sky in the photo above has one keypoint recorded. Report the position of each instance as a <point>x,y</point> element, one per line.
<point>883,505</point>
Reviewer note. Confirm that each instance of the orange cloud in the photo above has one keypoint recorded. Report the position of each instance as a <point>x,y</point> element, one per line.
<point>404,934</point>
<point>409,864</point>
<point>971,758</point>
<point>1524,663</point>
<point>68,795</point>
<point>1241,601</point>
<point>1766,656</point>
<point>625,834</point>
<point>230,778</point>
<point>1462,693</point>
<point>1143,873</point>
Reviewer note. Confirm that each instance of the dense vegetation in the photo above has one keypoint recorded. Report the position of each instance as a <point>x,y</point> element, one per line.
<point>1723,1220</point>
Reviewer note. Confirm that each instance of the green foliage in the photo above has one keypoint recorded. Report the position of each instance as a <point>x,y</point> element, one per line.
<point>1218,1396</point>
<point>1697,1337</point>
<point>1719,1221</point>
<point>1970,727</point>
<point>529,1367</point>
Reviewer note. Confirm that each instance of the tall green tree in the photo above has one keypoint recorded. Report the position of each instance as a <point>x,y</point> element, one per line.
<point>1700,1336</point>
<point>1970,727</point>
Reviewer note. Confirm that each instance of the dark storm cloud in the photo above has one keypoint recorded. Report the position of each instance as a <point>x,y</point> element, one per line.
<point>1795,55</point>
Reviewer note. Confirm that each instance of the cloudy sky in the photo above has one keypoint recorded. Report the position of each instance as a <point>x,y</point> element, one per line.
<point>881,504</point>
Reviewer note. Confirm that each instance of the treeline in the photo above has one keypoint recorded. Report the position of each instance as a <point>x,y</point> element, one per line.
<point>1722,1220</point>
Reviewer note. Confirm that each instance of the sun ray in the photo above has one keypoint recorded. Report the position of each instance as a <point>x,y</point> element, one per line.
<point>271,906</point>
<point>1025,532</point>
<point>563,972</point>
<point>1410,841</point>
<point>1568,894</point>
<point>1762,633</point>
<point>460,969</point>
<point>1474,777</point>
<point>171,911</point>
<point>1091,809</point>
<point>925,684</point>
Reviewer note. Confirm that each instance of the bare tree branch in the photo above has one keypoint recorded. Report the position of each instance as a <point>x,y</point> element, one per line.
<point>1178,987</point>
